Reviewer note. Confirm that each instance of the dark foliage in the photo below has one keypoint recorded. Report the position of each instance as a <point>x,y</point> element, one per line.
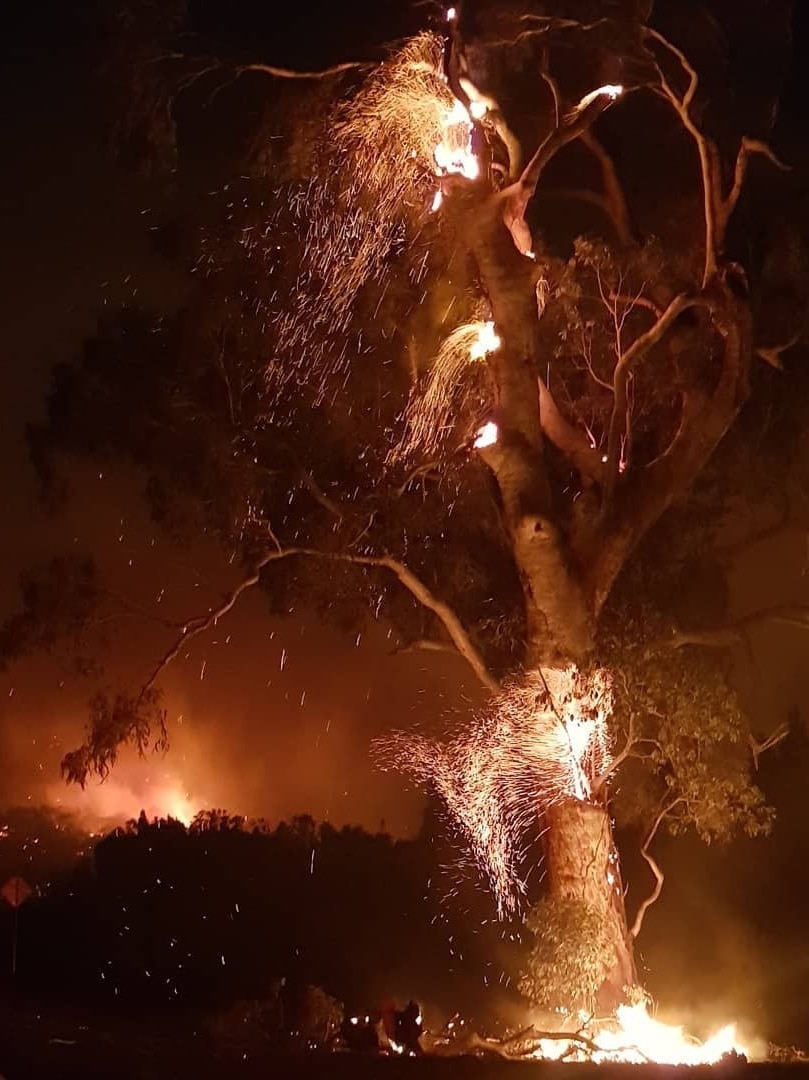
<point>159,915</point>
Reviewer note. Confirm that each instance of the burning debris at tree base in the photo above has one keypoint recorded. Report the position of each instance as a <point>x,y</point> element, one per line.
<point>632,1036</point>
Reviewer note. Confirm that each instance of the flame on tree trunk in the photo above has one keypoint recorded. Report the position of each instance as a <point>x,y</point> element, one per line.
<point>582,861</point>
<point>582,865</point>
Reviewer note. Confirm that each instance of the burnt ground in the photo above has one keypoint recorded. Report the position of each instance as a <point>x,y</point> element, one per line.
<point>45,1043</point>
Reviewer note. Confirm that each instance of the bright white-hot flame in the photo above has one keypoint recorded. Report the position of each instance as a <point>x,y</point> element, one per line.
<point>438,198</point>
<point>451,14</point>
<point>454,155</point>
<point>636,1038</point>
<point>487,342</point>
<point>578,734</point>
<point>639,1038</point>
<point>487,436</point>
<point>478,109</point>
<point>610,90</point>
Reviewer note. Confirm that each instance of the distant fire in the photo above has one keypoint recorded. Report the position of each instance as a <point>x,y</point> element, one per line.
<point>122,796</point>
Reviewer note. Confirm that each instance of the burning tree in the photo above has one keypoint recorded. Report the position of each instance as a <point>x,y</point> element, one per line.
<point>466,329</point>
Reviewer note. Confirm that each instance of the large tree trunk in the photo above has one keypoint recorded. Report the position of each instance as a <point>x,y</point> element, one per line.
<point>582,865</point>
<point>582,861</point>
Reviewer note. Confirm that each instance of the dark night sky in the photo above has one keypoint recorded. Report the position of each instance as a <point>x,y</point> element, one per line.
<point>77,230</point>
<point>76,238</point>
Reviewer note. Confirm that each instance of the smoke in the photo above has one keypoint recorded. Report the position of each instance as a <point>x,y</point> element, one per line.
<point>278,721</point>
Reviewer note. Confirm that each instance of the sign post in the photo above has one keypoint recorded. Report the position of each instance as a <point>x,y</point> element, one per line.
<point>15,892</point>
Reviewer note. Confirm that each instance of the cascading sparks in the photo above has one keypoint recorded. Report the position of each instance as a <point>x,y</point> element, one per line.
<point>542,739</point>
<point>447,388</point>
<point>386,147</point>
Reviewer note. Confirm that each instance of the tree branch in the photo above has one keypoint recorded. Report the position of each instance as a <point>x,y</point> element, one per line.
<point>704,422</point>
<point>771,354</point>
<point>289,73</point>
<point>654,866</point>
<point>747,148</point>
<point>614,200</point>
<point>623,369</point>
<point>317,492</point>
<point>415,586</point>
<point>718,208</point>
<point>567,438</point>
<point>733,634</point>
<point>620,758</point>
<point>773,739</point>
<point>516,197</point>
<point>708,156</point>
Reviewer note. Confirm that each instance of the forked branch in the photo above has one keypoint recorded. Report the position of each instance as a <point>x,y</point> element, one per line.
<point>415,586</point>
<point>654,866</point>
<point>623,369</point>
<point>718,208</point>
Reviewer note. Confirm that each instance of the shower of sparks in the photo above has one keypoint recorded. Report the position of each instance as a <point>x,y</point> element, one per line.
<point>447,389</point>
<point>542,739</point>
<point>385,149</point>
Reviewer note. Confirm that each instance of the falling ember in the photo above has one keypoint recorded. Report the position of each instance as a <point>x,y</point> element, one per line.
<point>438,198</point>
<point>487,436</point>
<point>541,740</point>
